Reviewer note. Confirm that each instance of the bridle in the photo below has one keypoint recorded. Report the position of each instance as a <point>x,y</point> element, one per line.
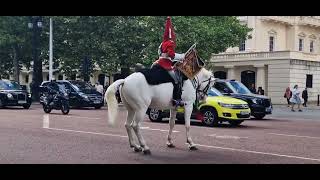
<point>197,85</point>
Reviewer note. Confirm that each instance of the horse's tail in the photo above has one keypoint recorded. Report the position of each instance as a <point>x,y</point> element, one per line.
<point>110,97</point>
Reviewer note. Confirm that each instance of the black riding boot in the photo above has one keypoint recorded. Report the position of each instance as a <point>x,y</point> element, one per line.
<point>177,90</point>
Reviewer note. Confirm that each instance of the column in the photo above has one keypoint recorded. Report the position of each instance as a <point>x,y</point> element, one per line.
<point>261,77</point>
<point>231,72</point>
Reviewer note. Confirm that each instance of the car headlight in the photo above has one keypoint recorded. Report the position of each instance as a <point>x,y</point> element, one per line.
<point>254,101</point>
<point>85,97</point>
<point>226,105</point>
<point>29,95</point>
<point>9,96</point>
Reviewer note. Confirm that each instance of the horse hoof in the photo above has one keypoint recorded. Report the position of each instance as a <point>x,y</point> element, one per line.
<point>171,146</point>
<point>147,152</point>
<point>193,148</point>
<point>137,149</point>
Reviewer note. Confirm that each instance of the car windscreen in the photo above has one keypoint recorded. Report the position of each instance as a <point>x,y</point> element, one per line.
<point>9,85</point>
<point>239,87</point>
<point>214,92</point>
<point>83,86</point>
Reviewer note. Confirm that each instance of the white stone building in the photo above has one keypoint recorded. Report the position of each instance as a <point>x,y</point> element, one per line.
<point>283,51</point>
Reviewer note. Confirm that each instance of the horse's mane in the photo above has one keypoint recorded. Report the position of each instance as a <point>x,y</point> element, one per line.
<point>206,72</point>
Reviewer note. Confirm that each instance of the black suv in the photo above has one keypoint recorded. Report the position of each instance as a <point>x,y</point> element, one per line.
<point>82,94</point>
<point>260,105</point>
<point>12,94</point>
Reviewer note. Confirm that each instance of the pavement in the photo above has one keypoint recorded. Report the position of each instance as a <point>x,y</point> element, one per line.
<point>84,137</point>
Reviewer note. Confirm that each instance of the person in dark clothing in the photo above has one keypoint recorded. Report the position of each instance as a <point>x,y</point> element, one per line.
<point>260,91</point>
<point>53,89</point>
<point>305,97</point>
<point>253,89</point>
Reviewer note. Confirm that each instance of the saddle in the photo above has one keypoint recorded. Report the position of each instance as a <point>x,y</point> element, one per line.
<point>157,75</point>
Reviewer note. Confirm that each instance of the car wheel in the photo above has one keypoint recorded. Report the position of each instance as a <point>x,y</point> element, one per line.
<point>1,104</point>
<point>155,115</point>
<point>98,107</point>
<point>26,106</point>
<point>180,118</point>
<point>210,117</point>
<point>235,122</point>
<point>259,117</point>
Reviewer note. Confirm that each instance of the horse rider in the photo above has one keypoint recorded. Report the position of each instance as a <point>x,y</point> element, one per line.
<point>167,57</point>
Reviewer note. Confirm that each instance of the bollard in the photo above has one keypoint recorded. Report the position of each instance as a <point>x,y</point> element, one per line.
<point>318,100</point>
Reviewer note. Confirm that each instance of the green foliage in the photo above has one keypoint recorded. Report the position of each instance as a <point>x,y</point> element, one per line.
<point>112,42</point>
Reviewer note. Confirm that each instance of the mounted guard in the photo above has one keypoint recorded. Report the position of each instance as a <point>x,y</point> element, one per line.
<point>167,58</point>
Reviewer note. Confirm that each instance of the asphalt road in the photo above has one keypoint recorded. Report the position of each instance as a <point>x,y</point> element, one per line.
<point>84,137</point>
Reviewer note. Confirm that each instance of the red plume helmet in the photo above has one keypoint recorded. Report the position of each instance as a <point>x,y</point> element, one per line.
<point>169,31</point>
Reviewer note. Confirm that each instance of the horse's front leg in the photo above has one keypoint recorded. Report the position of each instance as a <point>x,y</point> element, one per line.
<point>172,120</point>
<point>187,116</point>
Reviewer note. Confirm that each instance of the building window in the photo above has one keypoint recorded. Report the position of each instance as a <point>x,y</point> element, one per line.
<point>60,77</point>
<point>300,44</point>
<point>309,80</point>
<point>311,46</point>
<point>242,46</point>
<point>271,43</point>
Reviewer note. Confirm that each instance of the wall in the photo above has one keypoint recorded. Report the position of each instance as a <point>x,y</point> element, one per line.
<point>278,81</point>
<point>298,74</point>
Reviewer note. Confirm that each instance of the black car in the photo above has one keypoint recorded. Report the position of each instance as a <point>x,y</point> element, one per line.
<point>12,94</point>
<point>260,105</point>
<point>81,94</point>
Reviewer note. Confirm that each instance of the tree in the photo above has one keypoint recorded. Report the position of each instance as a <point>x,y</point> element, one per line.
<point>13,43</point>
<point>115,43</point>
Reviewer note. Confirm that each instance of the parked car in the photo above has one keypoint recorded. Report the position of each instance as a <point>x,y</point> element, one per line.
<point>215,109</point>
<point>260,105</point>
<point>12,94</point>
<point>81,94</point>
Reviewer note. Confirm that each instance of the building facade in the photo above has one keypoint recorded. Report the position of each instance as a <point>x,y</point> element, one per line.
<point>283,51</point>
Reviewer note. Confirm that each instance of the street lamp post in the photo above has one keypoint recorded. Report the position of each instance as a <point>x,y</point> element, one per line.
<point>35,25</point>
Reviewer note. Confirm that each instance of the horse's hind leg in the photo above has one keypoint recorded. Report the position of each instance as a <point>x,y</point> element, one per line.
<point>136,127</point>
<point>129,129</point>
<point>172,120</point>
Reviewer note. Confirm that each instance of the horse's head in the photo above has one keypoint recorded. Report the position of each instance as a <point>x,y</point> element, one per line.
<point>205,80</point>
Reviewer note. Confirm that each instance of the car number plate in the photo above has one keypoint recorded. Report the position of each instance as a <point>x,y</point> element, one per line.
<point>96,102</point>
<point>22,102</point>
<point>244,113</point>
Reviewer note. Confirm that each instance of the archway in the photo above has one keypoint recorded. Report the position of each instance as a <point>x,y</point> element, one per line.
<point>248,78</point>
<point>220,75</point>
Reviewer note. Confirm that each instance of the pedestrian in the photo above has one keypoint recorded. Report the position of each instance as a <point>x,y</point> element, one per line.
<point>295,99</point>
<point>305,97</point>
<point>253,89</point>
<point>99,88</point>
<point>288,95</point>
<point>260,91</point>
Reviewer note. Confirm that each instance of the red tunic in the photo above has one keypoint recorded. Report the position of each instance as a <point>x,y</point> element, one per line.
<point>168,53</point>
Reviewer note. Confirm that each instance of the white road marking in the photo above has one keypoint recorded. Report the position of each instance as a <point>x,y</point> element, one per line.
<point>227,137</point>
<point>148,128</point>
<point>86,132</point>
<point>294,136</point>
<point>79,117</point>
<point>45,121</point>
<point>257,152</point>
